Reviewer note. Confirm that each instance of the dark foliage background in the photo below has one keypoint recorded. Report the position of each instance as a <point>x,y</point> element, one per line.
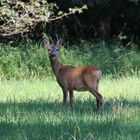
<point>104,19</point>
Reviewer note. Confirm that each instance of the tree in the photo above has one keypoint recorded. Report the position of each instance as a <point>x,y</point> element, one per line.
<point>18,17</point>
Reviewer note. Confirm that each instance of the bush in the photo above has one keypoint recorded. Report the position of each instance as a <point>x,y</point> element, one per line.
<point>29,60</point>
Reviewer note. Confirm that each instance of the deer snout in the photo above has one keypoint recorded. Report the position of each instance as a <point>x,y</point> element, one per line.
<point>53,55</point>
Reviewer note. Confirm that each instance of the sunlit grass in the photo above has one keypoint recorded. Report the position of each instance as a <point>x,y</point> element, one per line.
<point>32,109</point>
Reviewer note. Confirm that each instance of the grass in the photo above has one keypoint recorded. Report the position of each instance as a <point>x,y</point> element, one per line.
<point>32,110</point>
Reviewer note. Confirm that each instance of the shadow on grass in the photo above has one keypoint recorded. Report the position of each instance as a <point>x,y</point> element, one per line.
<point>112,129</point>
<point>87,106</point>
<point>66,128</point>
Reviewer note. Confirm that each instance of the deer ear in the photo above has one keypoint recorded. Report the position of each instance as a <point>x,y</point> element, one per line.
<point>47,43</point>
<point>59,42</point>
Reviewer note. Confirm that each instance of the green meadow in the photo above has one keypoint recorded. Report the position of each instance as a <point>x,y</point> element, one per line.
<point>31,100</point>
<point>31,109</point>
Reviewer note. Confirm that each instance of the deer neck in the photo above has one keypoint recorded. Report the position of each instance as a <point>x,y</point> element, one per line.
<point>55,65</point>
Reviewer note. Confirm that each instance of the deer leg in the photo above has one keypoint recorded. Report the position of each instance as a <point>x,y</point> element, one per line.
<point>97,103</point>
<point>91,83</point>
<point>100,105</point>
<point>99,99</point>
<point>65,93</point>
<point>71,100</point>
<point>93,89</point>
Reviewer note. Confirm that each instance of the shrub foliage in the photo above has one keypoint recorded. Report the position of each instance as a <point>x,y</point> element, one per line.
<point>29,60</point>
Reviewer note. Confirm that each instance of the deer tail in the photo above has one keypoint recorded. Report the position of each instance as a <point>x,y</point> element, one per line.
<point>98,73</point>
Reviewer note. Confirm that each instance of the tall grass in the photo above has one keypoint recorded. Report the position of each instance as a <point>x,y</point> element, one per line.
<point>31,109</point>
<point>31,60</point>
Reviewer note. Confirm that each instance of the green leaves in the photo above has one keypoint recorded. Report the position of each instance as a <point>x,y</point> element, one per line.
<point>17,17</point>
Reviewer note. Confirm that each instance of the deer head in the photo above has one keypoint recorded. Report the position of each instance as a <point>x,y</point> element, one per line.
<point>52,48</point>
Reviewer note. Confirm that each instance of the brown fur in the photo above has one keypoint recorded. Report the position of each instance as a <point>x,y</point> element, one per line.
<point>83,78</point>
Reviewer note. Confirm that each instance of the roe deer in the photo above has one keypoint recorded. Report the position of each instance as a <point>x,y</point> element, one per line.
<point>70,78</point>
